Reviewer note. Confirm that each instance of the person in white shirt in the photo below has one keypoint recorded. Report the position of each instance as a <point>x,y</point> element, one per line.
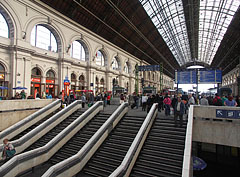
<point>144,102</point>
<point>191,100</point>
<point>204,101</point>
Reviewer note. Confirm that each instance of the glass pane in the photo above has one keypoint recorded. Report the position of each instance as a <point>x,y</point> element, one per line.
<point>4,31</point>
<point>43,38</point>
<point>100,58</point>
<point>214,19</point>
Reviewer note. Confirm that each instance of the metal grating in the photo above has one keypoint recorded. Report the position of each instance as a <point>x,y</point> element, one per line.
<point>168,17</point>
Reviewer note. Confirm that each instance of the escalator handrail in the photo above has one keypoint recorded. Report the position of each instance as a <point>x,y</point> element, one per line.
<point>21,158</point>
<point>79,157</point>
<point>122,169</point>
<point>26,120</point>
<point>35,131</point>
<point>186,167</point>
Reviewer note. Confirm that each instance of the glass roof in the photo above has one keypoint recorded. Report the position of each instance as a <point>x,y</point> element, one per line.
<point>168,17</point>
<point>214,19</point>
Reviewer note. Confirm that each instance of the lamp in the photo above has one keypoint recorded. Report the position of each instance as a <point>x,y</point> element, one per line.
<point>68,48</point>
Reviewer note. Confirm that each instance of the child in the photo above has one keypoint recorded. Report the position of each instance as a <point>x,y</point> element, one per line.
<point>8,150</point>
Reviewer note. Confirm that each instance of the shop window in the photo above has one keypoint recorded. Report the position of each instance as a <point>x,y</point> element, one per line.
<point>73,81</point>
<point>43,38</point>
<point>50,83</point>
<point>78,51</point>
<point>82,82</point>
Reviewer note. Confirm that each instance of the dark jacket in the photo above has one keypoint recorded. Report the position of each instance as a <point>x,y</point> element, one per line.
<point>182,107</point>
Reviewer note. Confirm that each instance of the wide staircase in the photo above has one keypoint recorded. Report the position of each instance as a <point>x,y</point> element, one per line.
<point>72,146</point>
<point>163,150</point>
<point>111,153</point>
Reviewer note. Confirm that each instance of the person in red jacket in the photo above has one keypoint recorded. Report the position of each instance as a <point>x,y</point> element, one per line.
<point>217,101</point>
<point>167,101</point>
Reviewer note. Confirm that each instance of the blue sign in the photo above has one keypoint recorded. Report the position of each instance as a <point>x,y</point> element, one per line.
<point>149,68</point>
<point>210,76</point>
<point>186,77</point>
<point>232,114</point>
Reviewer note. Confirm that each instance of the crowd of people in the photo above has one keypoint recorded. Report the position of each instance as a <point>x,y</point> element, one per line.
<point>177,105</point>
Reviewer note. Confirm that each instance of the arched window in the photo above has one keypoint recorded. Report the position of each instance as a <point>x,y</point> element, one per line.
<point>51,88</point>
<point>82,82</point>
<point>100,58</point>
<point>2,75</point>
<point>36,72</point>
<point>4,30</point>
<point>126,67</point>
<point>115,63</point>
<point>50,74</point>
<point>97,80</point>
<point>43,38</point>
<point>102,81</point>
<point>73,81</point>
<point>77,51</point>
<point>153,77</point>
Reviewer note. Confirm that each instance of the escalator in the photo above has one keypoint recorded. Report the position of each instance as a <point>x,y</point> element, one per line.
<point>32,127</point>
<point>111,153</point>
<point>54,132</point>
<point>73,145</point>
<point>163,151</point>
<point>35,125</point>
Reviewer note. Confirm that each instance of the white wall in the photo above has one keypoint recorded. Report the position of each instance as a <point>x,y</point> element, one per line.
<point>19,57</point>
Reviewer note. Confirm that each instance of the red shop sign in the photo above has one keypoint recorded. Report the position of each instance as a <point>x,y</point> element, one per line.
<point>50,81</point>
<point>36,80</point>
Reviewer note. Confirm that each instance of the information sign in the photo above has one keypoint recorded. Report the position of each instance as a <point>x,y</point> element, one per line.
<point>186,77</point>
<point>232,114</point>
<point>210,76</point>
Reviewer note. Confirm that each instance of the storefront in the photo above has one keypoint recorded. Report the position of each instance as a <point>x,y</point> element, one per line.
<point>3,82</point>
<point>73,82</point>
<point>82,83</point>
<point>51,86</point>
<point>36,78</point>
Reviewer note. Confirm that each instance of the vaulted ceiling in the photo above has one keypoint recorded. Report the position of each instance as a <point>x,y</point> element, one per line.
<point>131,26</point>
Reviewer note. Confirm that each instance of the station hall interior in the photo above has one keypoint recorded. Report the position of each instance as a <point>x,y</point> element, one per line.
<point>116,88</point>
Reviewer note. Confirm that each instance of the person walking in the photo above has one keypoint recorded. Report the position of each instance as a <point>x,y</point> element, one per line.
<point>174,101</point>
<point>179,111</point>
<point>167,101</point>
<point>217,101</point>
<point>144,102</point>
<point>83,98</point>
<point>230,102</point>
<point>204,101</point>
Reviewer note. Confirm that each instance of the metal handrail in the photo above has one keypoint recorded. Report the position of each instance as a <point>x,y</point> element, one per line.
<point>128,159</point>
<point>22,124</point>
<point>79,157</point>
<point>24,157</point>
<point>42,126</point>
<point>186,168</point>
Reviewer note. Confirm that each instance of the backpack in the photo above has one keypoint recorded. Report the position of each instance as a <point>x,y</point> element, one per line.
<point>219,102</point>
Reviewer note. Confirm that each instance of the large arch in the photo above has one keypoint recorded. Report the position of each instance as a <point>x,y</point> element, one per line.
<point>84,43</point>
<point>10,22</point>
<point>39,20</point>
<point>105,54</point>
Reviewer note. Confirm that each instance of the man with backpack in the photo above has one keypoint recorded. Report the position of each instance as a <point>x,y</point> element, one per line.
<point>217,101</point>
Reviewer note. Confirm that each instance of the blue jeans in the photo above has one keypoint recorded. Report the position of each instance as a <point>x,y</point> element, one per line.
<point>167,109</point>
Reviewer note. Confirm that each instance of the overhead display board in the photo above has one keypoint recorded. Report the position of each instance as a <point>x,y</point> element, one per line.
<point>209,76</point>
<point>186,77</point>
<point>200,76</point>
